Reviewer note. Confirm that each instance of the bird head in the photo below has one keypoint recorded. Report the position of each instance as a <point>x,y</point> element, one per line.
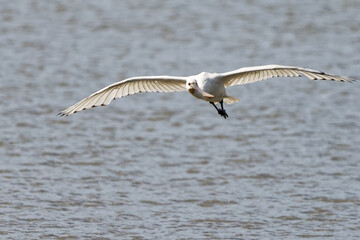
<point>191,85</point>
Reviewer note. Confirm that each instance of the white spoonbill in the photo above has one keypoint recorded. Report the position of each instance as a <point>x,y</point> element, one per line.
<point>205,86</point>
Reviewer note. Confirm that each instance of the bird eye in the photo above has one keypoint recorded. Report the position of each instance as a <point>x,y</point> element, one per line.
<point>189,84</point>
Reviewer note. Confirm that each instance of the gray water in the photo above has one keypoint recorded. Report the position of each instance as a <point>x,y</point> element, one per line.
<point>284,165</point>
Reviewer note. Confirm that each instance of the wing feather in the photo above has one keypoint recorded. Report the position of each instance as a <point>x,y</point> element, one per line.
<point>128,87</point>
<point>111,96</point>
<point>274,74</point>
<point>247,79</point>
<point>310,75</point>
<point>141,87</point>
<point>287,73</point>
<point>99,101</point>
<point>131,88</point>
<point>259,73</point>
<point>166,87</point>
<point>147,85</point>
<point>136,87</point>
<point>266,72</point>
<point>281,73</point>
<point>161,87</point>
<point>119,92</point>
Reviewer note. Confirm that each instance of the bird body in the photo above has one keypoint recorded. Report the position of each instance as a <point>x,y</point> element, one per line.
<point>206,86</point>
<point>209,83</point>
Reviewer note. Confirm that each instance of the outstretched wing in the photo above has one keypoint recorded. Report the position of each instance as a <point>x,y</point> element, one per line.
<point>128,87</point>
<point>259,73</point>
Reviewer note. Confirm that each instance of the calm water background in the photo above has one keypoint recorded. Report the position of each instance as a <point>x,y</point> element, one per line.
<point>285,165</point>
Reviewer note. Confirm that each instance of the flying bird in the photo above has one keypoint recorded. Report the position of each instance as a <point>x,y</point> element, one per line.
<point>210,87</point>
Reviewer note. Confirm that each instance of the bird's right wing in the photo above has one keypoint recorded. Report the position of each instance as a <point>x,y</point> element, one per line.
<point>259,73</point>
<point>128,87</point>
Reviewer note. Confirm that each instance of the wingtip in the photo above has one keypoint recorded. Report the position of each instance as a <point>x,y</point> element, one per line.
<point>62,114</point>
<point>353,79</point>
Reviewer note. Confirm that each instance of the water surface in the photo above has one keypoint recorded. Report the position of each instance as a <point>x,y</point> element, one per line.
<point>284,165</point>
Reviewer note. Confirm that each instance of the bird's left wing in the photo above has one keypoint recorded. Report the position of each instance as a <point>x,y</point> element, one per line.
<point>259,73</point>
<point>128,87</point>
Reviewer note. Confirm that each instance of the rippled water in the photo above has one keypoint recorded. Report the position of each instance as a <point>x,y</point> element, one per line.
<point>285,165</point>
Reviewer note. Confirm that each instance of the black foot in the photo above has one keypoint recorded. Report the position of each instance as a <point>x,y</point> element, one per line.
<point>223,113</point>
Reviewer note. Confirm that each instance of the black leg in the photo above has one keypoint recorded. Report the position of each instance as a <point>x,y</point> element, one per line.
<point>214,106</point>
<point>221,111</point>
<point>222,105</point>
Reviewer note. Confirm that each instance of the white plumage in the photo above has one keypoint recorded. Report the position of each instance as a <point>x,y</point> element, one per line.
<point>205,86</point>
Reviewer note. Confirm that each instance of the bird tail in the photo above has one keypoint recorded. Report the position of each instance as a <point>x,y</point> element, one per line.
<point>230,100</point>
